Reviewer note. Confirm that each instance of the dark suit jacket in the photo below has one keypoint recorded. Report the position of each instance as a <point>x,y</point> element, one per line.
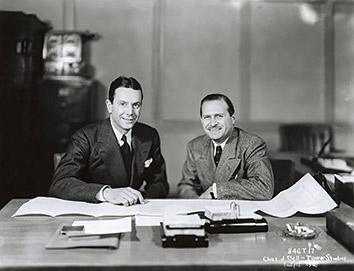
<point>244,170</point>
<point>93,159</point>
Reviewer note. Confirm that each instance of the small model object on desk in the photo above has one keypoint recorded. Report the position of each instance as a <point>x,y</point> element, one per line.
<point>230,219</point>
<point>300,231</point>
<point>183,231</point>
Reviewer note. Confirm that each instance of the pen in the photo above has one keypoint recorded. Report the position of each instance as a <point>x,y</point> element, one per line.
<point>213,192</point>
<point>235,174</point>
<point>212,195</point>
<point>200,213</point>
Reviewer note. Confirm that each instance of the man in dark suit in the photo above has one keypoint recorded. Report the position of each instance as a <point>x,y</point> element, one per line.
<point>111,160</point>
<point>226,162</point>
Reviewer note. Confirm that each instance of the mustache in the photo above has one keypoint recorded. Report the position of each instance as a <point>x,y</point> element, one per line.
<point>209,126</point>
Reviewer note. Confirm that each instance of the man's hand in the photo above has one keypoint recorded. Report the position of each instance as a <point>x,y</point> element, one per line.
<point>126,196</point>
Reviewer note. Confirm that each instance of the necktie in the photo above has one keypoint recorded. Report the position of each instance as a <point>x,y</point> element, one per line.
<point>217,155</point>
<point>127,155</point>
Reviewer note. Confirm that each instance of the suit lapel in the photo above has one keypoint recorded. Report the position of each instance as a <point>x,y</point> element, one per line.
<point>141,147</point>
<point>207,163</point>
<point>109,151</point>
<point>228,165</point>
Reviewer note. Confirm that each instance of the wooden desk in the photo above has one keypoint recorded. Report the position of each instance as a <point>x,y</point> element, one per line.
<point>22,241</point>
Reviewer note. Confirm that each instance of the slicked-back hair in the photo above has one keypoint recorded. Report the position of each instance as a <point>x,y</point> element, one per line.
<point>218,97</point>
<point>126,82</point>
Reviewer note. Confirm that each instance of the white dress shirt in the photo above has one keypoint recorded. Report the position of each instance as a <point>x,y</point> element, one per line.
<point>222,145</point>
<point>119,136</point>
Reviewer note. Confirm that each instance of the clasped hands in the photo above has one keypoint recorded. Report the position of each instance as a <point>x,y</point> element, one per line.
<point>125,196</point>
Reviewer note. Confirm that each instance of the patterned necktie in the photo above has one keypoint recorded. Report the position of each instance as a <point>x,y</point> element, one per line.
<point>217,155</point>
<point>127,155</point>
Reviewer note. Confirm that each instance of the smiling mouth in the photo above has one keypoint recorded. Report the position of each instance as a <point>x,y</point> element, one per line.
<point>129,120</point>
<point>214,129</point>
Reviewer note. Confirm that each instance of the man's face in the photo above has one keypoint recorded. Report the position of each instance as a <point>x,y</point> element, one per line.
<point>216,120</point>
<point>125,110</point>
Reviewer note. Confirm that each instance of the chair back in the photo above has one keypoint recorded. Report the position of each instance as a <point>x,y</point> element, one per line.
<point>284,173</point>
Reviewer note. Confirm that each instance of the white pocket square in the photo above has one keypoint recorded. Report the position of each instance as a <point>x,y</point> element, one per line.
<point>148,162</point>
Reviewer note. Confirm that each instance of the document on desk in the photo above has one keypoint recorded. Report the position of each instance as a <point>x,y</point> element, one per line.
<point>110,226</point>
<point>55,207</point>
<point>148,220</point>
<point>305,196</point>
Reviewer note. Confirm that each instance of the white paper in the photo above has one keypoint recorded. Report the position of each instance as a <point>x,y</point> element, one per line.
<point>305,196</point>
<point>183,220</point>
<point>105,226</point>
<point>335,163</point>
<point>55,207</point>
<point>345,178</point>
<point>148,220</point>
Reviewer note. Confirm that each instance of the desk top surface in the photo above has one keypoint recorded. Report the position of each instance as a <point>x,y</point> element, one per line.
<point>22,242</point>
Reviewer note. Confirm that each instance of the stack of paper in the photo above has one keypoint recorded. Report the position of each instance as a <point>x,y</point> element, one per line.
<point>90,233</point>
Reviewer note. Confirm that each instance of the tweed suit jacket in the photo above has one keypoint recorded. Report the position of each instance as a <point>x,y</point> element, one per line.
<point>244,170</point>
<point>94,159</point>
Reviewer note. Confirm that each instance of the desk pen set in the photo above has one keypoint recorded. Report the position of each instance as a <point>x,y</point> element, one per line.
<point>232,220</point>
<point>184,231</point>
<point>191,230</point>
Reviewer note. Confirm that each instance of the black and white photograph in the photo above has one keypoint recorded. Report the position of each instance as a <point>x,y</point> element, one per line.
<point>200,135</point>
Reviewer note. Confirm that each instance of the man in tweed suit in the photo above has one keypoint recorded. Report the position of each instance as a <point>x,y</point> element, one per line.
<point>227,162</point>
